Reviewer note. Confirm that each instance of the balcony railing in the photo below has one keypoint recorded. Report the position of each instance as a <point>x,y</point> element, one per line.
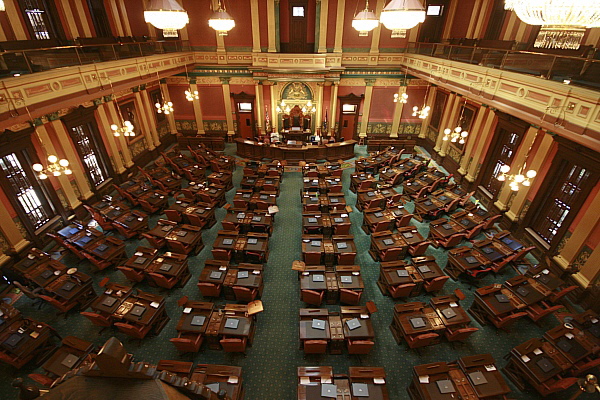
<point>20,62</point>
<point>574,70</point>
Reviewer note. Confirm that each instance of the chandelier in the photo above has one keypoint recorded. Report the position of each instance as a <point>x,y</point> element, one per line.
<point>457,134</point>
<point>516,180</point>
<point>221,21</point>
<point>167,15</point>
<point>190,94</point>
<point>422,112</point>
<point>365,21</point>
<point>126,129</point>
<point>309,108</point>
<point>55,167</point>
<point>166,107</point>
<point>400,15</point>
<point>563,23</point>
<point>402,98</point>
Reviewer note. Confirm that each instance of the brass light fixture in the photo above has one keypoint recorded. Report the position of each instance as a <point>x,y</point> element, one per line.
<point>166,107</point>
<point>457,134</point>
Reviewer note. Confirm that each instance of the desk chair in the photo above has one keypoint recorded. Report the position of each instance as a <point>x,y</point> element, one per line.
<point>312,297</point>
<point>196,220</point>
<point>500,265</point>
<point>97,319</point>
<point>209,289</point>
<point>505,322</point>
<point>350,297</point>
<point>262,205</point>
<point>491,221</point>
<point>459,335</point>
<point>451,241</point>
<point>162,281</point>
<point>154,241</point>
<point>359,346</point>
<point>149,208</point>
<point>463,201</point>
<point>135,332</point>
<point>13,360</point>
<point>42,379</point>
<point>436,284</point>
<point>341,229</point>
<point>312,258</point>
<point>125,194</point>
<point>254,257</point>
<point>401,290</point>
<point>229,226</point>
<point>179,247</point>
<point>312,207</point>
<point>425,339</point>
<point>393,254</point>
<point>380,227</point>
<point>346,258</point>
<point>404,220</point>
<point>187,342</point>
<point>61,306</point>
<point>245,294</point>
<point>131,274</point>
<point>32,294</point>
<point>99,218</point>
<point>556,297</point>
<point>99,263</point>
<point>234,345</point>
<point>315,346</point>
<point>221,254</point>
<point>240,205</point>
<point>124,231</point>
<point>474,232</point>
<point>541,310</point>
<point>419,248</point>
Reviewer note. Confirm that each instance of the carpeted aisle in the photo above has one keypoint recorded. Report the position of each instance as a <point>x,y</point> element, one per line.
<point>269,368</point>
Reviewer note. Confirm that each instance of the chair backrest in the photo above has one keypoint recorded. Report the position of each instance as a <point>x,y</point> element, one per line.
<point>188,343</point>
<point>312,258</point>
<point>96,319</point>
<point>436,284</point>
<point>350,296</point>
<point>132,330</point>
<point>419,249</point>
<point>460,335</point>
<point>346,258</point>
<point>474,232</point>
<point>162,281</point>
<point>179,247</point>
<point>381,226</point>
<point>262,205</point>
<point>491,221</point>
<point>392,254</point>
<point>454,240</point>
<point>233,345</point>
<point>315,346</point>
<point>131,274</point>
<point>402,290</point>
<point>209,289</point>
<point>312,297</point>
<point>360,346</point>
<point>173,215</point>
<point>221,254</point>
<point>241,204</point>
<point>422,340</point>
<point>508,320</point>
<point>244,293</point>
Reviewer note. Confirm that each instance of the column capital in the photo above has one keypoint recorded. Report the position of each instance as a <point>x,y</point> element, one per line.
<point>370,81</point>
<point>225,80</point>
<point>193,81</point>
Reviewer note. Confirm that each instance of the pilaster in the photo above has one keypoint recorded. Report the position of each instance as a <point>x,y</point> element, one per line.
<point>448,109</point>
<point>323,20</point>
<point>333,104</point>
<point>254,14</point>
<point>228,108</point>
<point>164,88</point>
<point>366,108</point>
<point>473,138</point>
<point>428,102</point>
<point>150,111</point>
<point>147,129</point>
<point>398,108</point>
<point>112,112</point>
<point>271,26</point>
<point>339,26</point>
<point>104,127</point>
<point>450,123</point>
<point>473,169</point>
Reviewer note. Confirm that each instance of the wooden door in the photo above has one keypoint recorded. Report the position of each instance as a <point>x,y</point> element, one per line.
<point>349,107</point>
<point>298,27</point>
<point>244,114</point>
<point>431,29</point>
<point>348,126</point>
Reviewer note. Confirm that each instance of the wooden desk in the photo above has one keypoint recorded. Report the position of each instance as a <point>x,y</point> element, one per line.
<point>397,273</point>
<point>72,288</point>
<point>111,299</point>
<point>484,364</point>
<point>189,236</point>
<point>464,261</point>
<point>193,309</point>
<point>171,266</point>
<point>24,340</point>
<point>442,303</point>
<point>384,241</point>
<point>223,377</point>
<point>428,380</point>
<point>330,152</point>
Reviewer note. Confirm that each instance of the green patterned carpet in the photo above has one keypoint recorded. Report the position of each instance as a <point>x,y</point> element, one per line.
<point>269,368</point>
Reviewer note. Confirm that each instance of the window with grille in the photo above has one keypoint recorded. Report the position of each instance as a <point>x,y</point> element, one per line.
<point>88,150</point>
<point>566,190</point>
<point>501,153</point>
<point>26,190</point>
<point>36,19</point>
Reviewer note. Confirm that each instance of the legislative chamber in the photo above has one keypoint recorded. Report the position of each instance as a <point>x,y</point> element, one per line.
<point>299,199</point>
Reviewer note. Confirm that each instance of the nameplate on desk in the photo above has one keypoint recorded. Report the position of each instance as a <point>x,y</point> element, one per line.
<point>424,269</point>
<point>378,214</point>
<point>342,245</point>
<point>449,313</point>
<point>197,320</point>
<point>353,323</point>
<point>418,322</point>
<point>70,360</point>
<point>315,243</point>
<point>471,260</point>
<point>242,274</point>
<point>182,233</point>
<point>346,279</point>
<point>407,235</point>
<point>338,220</point>
<point>329,390</point>
<point>388,242</point>
<point>232,323</point>
<point>402,273</point>
<point>252,240</point>
<point>318,324</point>
<point>227,242</point>
<point>312,220</point>
<point>215,275</point>
<point>318,278</point>
<point>166,228</point>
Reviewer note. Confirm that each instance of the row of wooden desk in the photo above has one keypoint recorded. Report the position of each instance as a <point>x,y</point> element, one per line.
<point>399,279</point>
<point>330,152</point>
<point>163,270</point>
<point>326,224</point>
<point>182,239</point>
<point>318,250</point>
<point>367,383</point>
<point>243,282</point>
<point>317,284</point>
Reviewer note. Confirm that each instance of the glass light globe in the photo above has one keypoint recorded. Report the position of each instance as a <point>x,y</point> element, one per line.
<point>169,104</point>
<point>427,108</point>
<point>501,178</point>
<point>415,108</point>
<point>445,138</point>
<point>457,129</point>
<point>56,173</point>
<point>531,174</point>
<point>68,172</point>
<point>114,127</point>
<point>63,163</point>
<point>38,167</point>
<point>519,178</point>
<point>461,141</point>
<point>447,131</point>
<point>52,159</point>
<point>453,140</point>
<point>514,188</point>
<point>526,182</point>
<point>43,176</point>
<point>505,168</point>
<point>127,123</point>
<point>157,105</point>
<point>464,134</point>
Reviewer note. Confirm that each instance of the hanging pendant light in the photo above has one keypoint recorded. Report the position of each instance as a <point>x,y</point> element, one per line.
<point>563,23</point>
<point>2,6</point>
<point>221,21</point>
<point>422,112</point>
<point>190,94</point>
<point>365,21</point>
<point>457,134</point>
<point>166,107</point>
<point>167,15</point>
<point>400,15</point>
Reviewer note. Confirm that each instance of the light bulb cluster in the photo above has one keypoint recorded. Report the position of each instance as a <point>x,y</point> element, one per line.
<point>191,95</point>
<point>166,108</point>
<point>402,98</point>
<point>125,130</point>
<point>422,113</point>
<point>55,167</point>
<point>398,16</point>
<point>518,180</point>
<point>456,135</point>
